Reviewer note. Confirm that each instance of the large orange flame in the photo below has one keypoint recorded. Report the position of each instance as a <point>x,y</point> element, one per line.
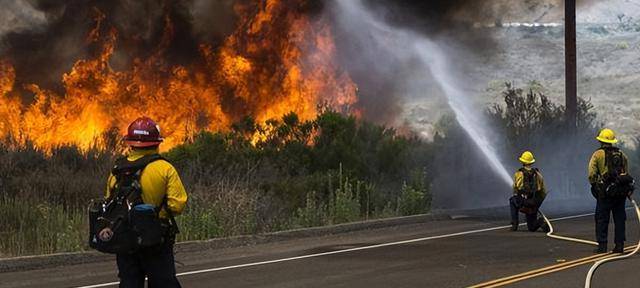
<point>277,61</point>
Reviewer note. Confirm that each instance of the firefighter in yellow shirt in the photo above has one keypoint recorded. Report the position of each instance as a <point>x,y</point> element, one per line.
<point>610,185</point>
<point>160,186</point>
<point>528,194</point>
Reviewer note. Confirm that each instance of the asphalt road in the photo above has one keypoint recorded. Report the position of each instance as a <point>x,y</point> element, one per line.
<point>451,253</point>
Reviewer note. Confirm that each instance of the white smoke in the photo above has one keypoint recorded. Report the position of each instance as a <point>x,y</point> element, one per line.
<point>410,59</point>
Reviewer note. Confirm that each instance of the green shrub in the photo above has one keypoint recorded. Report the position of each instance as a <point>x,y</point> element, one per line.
<point>414,197</point>
<point>411,201</point>
<point>200,221</point>
<point>291,177</point>
<point>31,227</point>
<point>344,205</point>
<point>622,45</point>
<point>313,213</point>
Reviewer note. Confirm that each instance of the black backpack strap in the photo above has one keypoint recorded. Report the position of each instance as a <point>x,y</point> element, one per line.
<point>122,164</point>
<point>524,170</point>
<point>172,219</point>
<point>128,173</point>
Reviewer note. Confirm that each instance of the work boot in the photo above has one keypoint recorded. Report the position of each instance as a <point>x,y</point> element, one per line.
<point>514,227</point>
<point>602,248</point>
<point>619,248</point>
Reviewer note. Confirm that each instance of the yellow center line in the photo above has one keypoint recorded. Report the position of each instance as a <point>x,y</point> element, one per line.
<point>546,270</point>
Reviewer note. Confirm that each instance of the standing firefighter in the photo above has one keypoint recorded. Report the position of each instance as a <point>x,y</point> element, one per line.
<point>135,221</point>
<point>610,185</point>
<point>528,194</point>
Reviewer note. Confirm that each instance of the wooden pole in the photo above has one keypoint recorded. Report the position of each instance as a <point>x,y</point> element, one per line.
<point>571,97</point>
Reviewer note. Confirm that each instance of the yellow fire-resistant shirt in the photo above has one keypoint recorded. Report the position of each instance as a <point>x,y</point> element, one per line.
<point>158,179</point>
<point>598,168</point>
<point>518,183</point>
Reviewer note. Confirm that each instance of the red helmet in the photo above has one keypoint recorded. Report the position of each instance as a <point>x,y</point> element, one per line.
<point>143,132</point>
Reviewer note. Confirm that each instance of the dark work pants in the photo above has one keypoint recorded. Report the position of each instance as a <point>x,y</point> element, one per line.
<point>533,221</point>
<point>156,263</point>
<point>604,209</point>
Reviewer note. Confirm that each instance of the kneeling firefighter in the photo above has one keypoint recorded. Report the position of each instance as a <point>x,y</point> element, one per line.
<point>611,184</point>
<point>528,194</point>
<point>136,221</point>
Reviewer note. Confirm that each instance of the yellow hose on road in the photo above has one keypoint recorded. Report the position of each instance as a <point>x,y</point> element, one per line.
<point>587,282</point>
<point>550,234</point>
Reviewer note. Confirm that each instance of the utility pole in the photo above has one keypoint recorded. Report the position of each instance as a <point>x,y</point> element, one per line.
<point>571,85</point>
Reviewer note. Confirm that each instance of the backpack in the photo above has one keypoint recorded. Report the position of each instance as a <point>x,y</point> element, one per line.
<point>134,224</point>
<point>617,182</point>
<point>529,181</point>
<point>530,190</point>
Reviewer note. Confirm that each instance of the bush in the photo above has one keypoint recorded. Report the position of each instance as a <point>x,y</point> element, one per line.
<point>254,178</point>
<point>200,221</point>
<point>411,201</point>
<point>344,205</point>
<point>628,23</point>
<point>527,120</point>
<point>313,213</point>
<point>414,197</point>
<point>622,45</point>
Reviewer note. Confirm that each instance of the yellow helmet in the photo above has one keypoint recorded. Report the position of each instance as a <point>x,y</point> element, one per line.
<point>527,158</point>
<point>607,136</point>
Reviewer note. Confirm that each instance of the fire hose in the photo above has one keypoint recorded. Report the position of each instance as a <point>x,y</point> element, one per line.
<point>550,234</point>
<point>587,282</point>
<point>597,264</point>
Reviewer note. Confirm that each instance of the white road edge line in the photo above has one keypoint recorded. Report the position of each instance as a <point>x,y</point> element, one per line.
<point>341,251</point>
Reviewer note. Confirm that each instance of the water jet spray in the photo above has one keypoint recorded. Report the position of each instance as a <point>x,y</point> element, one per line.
<point>426,57</point>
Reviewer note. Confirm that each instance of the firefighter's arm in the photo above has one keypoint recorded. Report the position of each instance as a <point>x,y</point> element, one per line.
<point>626,163</point>
<point>111,181</point>
<point>594,175</point>
<point>176,194</point>
<point>542,189</point>
<point>518,182</point>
